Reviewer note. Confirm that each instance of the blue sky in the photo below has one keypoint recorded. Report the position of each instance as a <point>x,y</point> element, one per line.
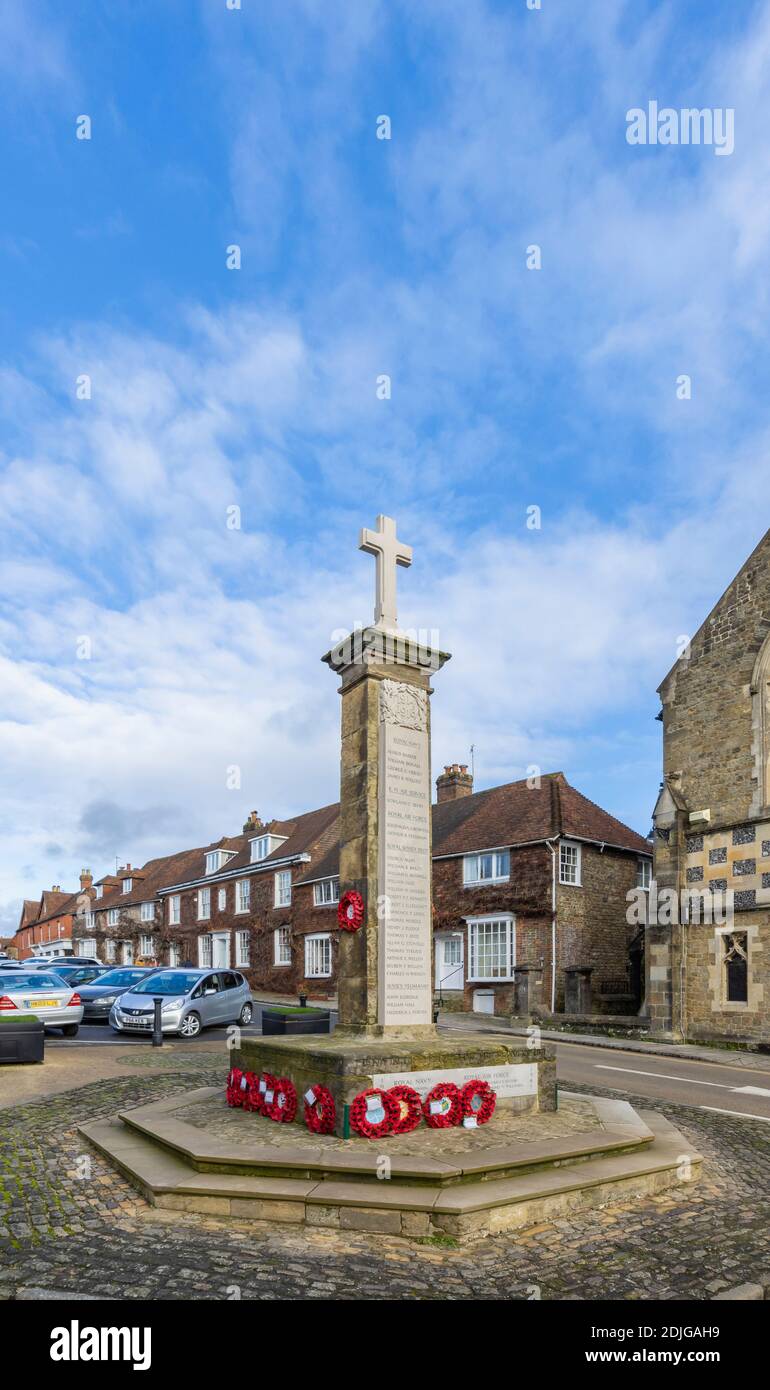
<point>256,388</point>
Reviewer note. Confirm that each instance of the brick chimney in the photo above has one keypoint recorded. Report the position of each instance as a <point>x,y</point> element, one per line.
<point>253,822</point>
<point>455,781</point>
<point>86,880</point>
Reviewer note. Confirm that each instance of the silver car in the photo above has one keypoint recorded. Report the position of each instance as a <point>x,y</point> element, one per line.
<point>192,999</point>
<point>43,994</point>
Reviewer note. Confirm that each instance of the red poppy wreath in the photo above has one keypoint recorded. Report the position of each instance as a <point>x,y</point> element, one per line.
<point>442,1106</point>
<point>374,1113</point>
<point>262,1087</point>
<point>478,1102</point>
<point>282,1102</point>
<point>409,1108</point>
<point>237,1086</point>
<point>320,1110</point>
<point>350,911</point>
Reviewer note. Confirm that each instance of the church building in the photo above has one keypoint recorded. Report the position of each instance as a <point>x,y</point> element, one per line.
<point>708,976</point>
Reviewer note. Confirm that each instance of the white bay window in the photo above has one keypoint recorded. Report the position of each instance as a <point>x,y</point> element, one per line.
<point>492,947</point>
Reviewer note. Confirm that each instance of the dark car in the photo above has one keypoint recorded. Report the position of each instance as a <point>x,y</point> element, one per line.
<point>99,997</point>
<point>76,973</point>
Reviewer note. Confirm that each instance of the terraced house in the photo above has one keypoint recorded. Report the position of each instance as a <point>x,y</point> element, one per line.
<point>47,924</point>
<point>711,979</point>
<point>529,881</point>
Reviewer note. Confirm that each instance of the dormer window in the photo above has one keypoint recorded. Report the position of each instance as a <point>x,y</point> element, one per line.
<point>100,890</point>
<point>216,859</point>
<point>264,845</point>
<point>128,884</point>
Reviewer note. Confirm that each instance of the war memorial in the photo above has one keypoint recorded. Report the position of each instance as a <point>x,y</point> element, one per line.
<point>388,1124</point>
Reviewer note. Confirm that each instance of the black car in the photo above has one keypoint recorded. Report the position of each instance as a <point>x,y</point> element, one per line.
<point>75,973</point>
<point>99,996</point>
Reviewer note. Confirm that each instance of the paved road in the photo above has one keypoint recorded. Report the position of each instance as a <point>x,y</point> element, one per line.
<point>102,1033</point>
<point>708,1085</point>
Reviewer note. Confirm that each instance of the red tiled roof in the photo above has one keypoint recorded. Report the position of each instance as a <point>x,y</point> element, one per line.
<point>510,815</point>
<point>517,813</point>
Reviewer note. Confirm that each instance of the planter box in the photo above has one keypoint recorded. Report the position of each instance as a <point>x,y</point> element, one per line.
<point>22,1039</point>
<point>281,1021</point>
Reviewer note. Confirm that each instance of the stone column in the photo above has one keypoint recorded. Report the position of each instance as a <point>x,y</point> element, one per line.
<point>384,970</point>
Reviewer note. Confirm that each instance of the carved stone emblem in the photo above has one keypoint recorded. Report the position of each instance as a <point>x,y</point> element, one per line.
<point>403,704</point>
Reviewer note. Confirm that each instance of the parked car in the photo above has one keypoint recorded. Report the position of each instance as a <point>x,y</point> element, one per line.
<point>54,962</point>
<point>193,999</point>
<point>100,995</point>
<point>32,962</point>
<point>43,994</point>
<point>77,974</point>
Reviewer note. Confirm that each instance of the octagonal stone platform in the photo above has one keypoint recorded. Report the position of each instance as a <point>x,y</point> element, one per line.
<point>193,1153</point>
<point>350,1064</point>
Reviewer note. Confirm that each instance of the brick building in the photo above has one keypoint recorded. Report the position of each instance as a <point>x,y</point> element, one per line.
<point>532,879</point>
<point>46,925</point>
<point>712,822</point>
<point>516,868</point>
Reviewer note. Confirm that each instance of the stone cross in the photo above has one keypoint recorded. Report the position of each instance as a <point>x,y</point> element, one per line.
<point>388,552</point>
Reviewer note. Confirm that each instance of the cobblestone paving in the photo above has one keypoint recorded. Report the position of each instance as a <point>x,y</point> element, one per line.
<point>242,1127</point>
<point>70,1223</point>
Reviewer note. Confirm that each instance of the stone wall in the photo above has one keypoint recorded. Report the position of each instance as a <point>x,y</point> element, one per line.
<point>708,713</point>
<point>713,818</point>
<point>591,920</point>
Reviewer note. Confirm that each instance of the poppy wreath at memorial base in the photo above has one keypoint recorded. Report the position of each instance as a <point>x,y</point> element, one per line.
<point>282,1102</point>
<point>374,1113</point>
<point>264,1087</point>
<point>442,1106</point>
<point>320,1110</point>
<point>410,1108</point>
<point>478,1102</point>
<point>237,1086</point>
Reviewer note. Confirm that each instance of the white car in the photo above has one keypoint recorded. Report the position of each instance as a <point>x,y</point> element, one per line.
<point>43,994</point>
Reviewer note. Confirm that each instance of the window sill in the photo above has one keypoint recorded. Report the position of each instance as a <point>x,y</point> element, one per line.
<point>487,980</point>
<point>281,964</point>
<point>485,882</point>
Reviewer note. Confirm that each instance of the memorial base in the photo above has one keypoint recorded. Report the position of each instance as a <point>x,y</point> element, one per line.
<point>349,1063</point>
